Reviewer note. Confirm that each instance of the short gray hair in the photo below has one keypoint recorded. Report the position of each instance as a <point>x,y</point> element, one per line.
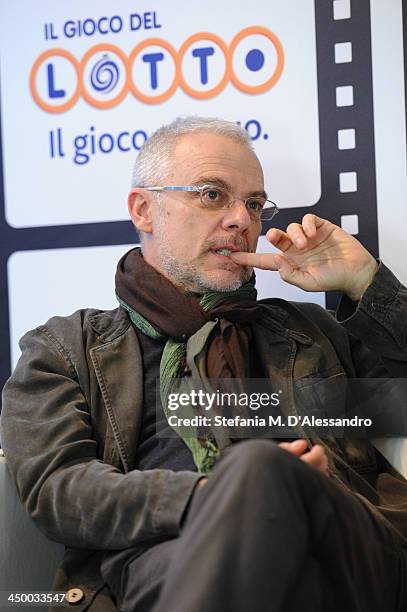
<point>153,162</point>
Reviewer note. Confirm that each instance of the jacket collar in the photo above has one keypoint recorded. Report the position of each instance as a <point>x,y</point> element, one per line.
<point>277,309</point>
<point>109,324</point>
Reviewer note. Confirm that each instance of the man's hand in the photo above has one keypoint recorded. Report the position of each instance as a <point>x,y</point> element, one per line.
<point>201,483</point>
<point>317,256</point>
<point>315,457</point>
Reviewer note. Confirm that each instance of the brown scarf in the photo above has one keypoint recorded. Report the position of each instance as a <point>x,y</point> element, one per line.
<point>178,315</point>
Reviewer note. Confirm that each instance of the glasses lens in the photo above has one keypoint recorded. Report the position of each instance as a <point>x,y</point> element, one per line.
<point>269,211</point>
<point>215,197</point>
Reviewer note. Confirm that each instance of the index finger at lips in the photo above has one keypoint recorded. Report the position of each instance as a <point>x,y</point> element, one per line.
<point>264,261</point>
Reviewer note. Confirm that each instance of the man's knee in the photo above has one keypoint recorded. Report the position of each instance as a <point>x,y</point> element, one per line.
<point>258,458</point>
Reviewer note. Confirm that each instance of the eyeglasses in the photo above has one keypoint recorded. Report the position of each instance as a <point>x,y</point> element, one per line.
<point>217,198</point>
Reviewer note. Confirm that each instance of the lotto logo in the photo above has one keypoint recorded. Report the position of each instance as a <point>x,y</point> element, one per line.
<point>154,70</point>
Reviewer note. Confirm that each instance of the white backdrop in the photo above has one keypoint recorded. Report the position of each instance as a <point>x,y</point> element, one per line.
<point>76,104</point>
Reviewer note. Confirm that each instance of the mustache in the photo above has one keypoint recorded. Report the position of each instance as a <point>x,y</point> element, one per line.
<point>237,243</point>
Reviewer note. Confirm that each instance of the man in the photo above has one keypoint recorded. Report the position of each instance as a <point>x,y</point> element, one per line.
<point>196,523</point>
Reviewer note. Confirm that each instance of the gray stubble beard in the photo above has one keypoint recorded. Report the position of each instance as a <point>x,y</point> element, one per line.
<point>187,275</point>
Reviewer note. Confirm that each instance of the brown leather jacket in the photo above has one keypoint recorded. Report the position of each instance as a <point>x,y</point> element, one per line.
<point>72,412</point>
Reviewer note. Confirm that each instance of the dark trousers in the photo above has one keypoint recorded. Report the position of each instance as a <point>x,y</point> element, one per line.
<point>270,533</point>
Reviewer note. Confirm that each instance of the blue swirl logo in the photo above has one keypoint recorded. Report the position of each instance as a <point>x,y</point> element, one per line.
<point>105,75</point>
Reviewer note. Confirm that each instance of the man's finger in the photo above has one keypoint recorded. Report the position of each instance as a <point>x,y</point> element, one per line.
<point>288,271</point>
<point>298,447</point>
<point>317,458</point>
<point>311,223</point>
<point>295,232</point>
<point>279,239</point>
<point>264,261</point>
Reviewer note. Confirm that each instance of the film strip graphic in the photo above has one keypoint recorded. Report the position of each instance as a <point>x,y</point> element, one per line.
<point>345,100</point>
<point>345,97</point>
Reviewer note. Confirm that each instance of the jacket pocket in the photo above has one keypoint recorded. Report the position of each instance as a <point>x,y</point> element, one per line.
<point>322,396</point>
<point>332,400</point>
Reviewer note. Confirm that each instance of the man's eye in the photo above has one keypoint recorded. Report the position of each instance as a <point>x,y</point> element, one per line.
<point>255,204</point>
<point>212,194</point>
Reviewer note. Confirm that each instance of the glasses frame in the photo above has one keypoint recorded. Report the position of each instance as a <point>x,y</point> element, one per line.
<point>199,189</point>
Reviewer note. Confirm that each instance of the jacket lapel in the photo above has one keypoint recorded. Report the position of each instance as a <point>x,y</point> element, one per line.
<point>119,371</point>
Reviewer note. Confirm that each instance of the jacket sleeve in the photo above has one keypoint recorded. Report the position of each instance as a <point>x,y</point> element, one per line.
<point>378,323</point>
<point>50,449</point>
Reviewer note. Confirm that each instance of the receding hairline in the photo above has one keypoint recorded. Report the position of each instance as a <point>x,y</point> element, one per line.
<point>154,157</point>
<point>179,139</point>
<point>205,132</point>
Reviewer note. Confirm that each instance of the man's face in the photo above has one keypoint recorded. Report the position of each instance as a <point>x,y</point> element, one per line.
<point>185,236</point>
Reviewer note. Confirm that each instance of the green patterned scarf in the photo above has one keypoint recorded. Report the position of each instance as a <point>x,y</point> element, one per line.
<point>160,310</point>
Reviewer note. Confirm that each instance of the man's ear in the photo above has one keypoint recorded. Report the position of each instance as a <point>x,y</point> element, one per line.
<point>139,205</point>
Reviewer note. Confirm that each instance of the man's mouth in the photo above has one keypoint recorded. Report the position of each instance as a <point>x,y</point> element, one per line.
<point>226,250</point>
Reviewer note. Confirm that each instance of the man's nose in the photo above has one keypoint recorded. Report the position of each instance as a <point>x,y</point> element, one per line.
<point>237,216</point>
